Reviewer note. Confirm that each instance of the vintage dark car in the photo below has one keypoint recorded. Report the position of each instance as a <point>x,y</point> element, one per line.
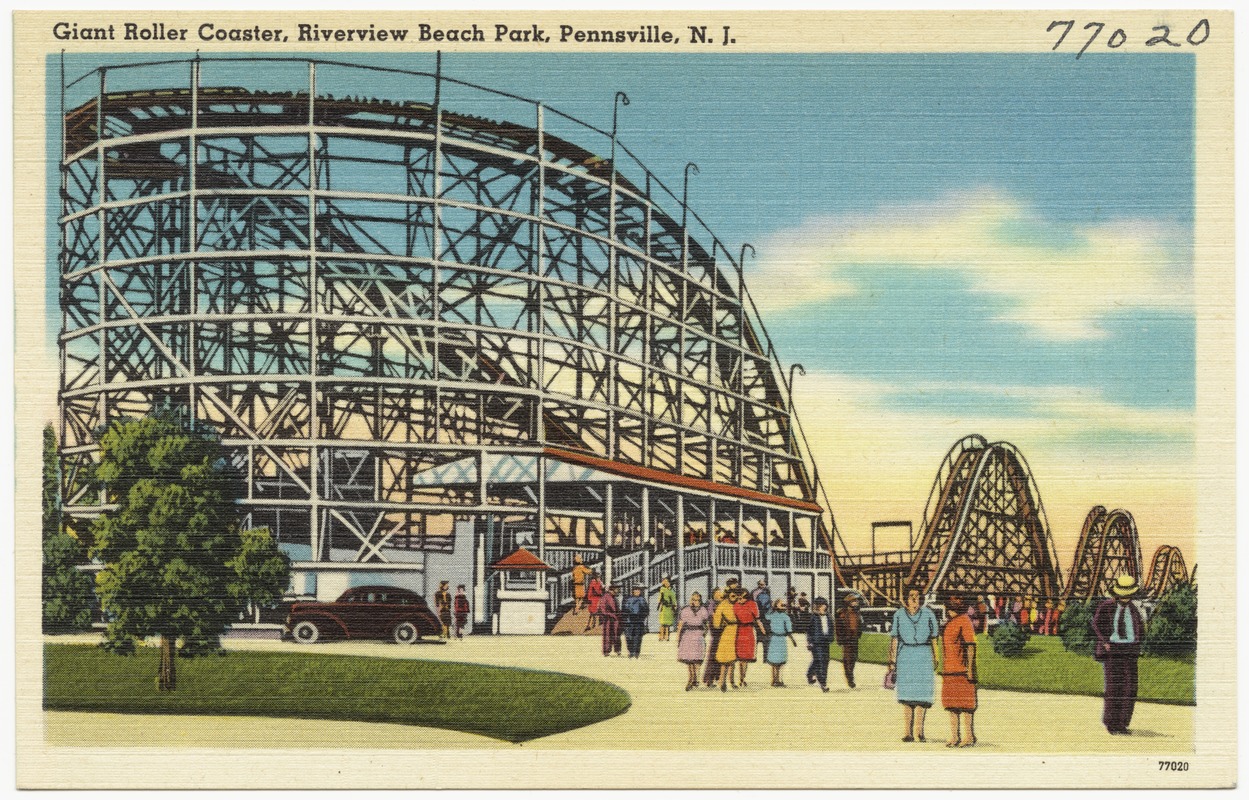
<point>365,612</point>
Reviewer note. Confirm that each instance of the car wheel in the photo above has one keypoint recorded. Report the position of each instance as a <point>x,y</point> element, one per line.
<point>406,633</point>
<point>306,632</point>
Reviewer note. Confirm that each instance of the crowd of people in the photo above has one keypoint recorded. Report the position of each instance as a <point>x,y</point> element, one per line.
<point>725,637</point>
<point>1038,616</point>
<point>716,640</point>
<point>719,640</point>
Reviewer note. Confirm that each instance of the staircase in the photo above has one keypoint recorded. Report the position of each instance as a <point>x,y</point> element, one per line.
<point>573,623</point>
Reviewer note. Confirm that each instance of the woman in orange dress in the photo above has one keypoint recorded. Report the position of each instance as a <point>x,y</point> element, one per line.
<point>725,620</point>
<point>958,671</point>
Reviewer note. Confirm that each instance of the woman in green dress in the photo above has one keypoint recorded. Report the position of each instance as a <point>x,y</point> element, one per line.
<point>667,608</point>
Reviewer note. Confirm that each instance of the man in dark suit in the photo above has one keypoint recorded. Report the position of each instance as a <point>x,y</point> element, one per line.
<point>609,614</point>
<point>634,610</point>
<point>819,637</point>
<point>1119,628</point>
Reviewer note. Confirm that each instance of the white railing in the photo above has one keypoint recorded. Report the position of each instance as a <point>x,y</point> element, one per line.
<point>627,566</point>
<point>661,565</point>
<point>562,557</point>
<point>697,558</point>
<point>726,555</point>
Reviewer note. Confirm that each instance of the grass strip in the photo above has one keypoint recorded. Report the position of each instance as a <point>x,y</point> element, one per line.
<point>1046,667</point>
<point>514,705</point>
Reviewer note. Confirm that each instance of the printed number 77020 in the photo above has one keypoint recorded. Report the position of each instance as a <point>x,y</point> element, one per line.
<point>1173,766</point>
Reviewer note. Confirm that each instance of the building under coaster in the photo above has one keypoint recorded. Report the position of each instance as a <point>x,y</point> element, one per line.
<point>435,324</point>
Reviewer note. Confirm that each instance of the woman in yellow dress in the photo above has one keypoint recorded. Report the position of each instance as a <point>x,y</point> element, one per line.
<point>726,620</point>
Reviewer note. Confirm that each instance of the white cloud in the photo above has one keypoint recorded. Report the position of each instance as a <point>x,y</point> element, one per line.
<point>1058,281</point>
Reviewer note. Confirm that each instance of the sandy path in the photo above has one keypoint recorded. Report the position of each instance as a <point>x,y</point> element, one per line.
<point>663,715</point>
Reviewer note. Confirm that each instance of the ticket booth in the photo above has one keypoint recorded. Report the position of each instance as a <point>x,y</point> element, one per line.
<point>520,594</point>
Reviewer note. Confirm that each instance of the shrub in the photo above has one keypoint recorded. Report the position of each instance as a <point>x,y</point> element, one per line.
<point>1171,630</point>
<point>1075,626</point>
<point>1010,639</point>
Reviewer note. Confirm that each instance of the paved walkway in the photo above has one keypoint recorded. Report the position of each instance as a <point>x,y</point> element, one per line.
<point>663,715</point>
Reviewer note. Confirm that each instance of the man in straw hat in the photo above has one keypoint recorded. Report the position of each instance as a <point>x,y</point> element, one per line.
<point>1119,628</point>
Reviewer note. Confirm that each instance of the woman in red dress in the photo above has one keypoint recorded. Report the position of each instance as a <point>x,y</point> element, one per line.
<point>594,597</point>
<point>747,612</point>
<point>958,673</point>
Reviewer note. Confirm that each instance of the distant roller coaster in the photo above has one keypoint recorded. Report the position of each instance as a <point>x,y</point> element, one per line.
<point>1167,570</point>
<point>985,532</point>
<point>434,325</point>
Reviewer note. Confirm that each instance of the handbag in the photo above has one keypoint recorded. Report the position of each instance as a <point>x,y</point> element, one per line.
<point>891,679</point>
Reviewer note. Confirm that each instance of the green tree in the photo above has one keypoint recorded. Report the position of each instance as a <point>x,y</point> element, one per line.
<point>1171,630</point>
<point>1075,626</point>
<point>67,592</point>
<point>177,563</point>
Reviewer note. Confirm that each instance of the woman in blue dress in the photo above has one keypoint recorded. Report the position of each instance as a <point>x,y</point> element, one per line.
<point>781,628</point>
<point>914,651</point>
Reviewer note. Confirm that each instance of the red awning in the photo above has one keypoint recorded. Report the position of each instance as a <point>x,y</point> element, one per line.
<point>672,479</point>
<point>521,559</point>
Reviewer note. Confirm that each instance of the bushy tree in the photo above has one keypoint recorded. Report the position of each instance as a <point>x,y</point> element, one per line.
<point>1075,626</point>
<point>177,564</point>
<point>1009,639</point>
<point>67,592</point>
<point>1171,630</point>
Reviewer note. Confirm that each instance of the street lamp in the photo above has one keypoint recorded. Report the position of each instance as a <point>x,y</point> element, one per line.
<point>741,271</point>
<point>793,442</point>
<point>685,192</point>
<point>620,98</point>
<point>617,101</point>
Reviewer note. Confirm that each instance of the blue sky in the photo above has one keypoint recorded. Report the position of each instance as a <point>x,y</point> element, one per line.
<point>963,240</point>
<point>783,139</point>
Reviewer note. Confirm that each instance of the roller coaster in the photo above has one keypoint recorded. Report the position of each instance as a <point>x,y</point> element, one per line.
<point>985,532</point>
<point>432,326</point>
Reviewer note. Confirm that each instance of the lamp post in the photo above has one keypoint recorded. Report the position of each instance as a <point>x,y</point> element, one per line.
<point>685,192</point>
<point>741,284</point>
<point>741,341</point>
<point>620,99</point>
<point>793,441</point>
<point>612,267</point>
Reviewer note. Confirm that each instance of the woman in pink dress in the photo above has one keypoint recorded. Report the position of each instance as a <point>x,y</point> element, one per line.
<point>692,624</point>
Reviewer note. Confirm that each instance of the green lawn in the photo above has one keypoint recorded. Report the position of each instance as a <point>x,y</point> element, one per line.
<point>1046,667</point>
<point>514,705</point>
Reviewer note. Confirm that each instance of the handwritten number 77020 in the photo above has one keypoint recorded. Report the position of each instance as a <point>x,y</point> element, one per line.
<point>1163,35</point>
